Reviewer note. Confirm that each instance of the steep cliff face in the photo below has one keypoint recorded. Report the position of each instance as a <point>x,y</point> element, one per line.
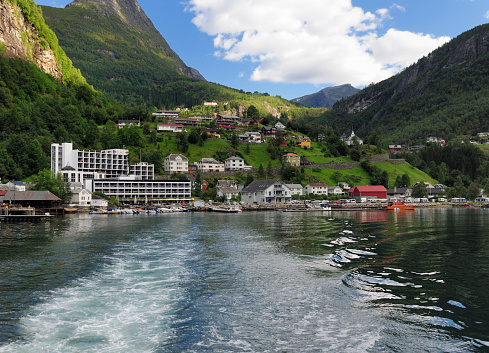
<point>20,39</point>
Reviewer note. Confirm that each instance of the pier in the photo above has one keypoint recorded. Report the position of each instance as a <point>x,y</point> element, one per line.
<point>13,214</point>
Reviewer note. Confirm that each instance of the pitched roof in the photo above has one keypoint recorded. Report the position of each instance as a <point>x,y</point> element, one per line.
<point>229,189</point>
<point>173,157</point>
<point>369,188</point>
<point>31,196</point>
<point>260,185</point>
<point>290,155</point>
<point>317,184</point>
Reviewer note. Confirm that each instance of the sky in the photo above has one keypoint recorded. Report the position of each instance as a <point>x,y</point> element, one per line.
<point>293,48</point>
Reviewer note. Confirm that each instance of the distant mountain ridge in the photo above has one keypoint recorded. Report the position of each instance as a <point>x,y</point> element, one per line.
<point>445,93</point>
<point>327,96</point>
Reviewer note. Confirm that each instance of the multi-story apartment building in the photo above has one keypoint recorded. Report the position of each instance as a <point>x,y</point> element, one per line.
<point>176,163</point>
<point>132,190</point>
<point>143,170</point>
<point>79,165</point>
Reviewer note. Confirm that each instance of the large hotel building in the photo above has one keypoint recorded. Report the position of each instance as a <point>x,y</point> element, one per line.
<point>108,171</point>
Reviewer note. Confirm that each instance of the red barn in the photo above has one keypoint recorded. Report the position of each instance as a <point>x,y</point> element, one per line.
<point>368,192</point>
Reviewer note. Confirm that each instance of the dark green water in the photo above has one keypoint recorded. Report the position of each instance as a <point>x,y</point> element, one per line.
<point>253,282</point>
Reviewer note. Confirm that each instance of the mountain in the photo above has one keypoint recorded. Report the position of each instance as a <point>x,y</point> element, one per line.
<point>327,96</point>
<point>25,35</point>
<point>445,94</point>
<point>118,49</point>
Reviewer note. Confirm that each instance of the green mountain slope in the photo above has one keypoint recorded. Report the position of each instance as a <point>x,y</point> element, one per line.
<point>118,49</point>
<point>445,94</point>
<point>326,97</point>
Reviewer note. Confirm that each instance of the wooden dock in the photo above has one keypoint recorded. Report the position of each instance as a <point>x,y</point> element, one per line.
<point>13,214</point>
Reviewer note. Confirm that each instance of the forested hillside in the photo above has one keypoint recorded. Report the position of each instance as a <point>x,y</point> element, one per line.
<point>126,59</point>
<point>445,94</point>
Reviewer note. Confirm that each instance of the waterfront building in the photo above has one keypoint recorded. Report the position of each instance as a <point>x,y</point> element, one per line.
<point>133,190</point>
<point>79,165</point>
<point>365,192</point>
<point>316,189</point>
<point>266,191</point>
<point>81,197</point>
<point>227,188</point>
<point>296,189</point>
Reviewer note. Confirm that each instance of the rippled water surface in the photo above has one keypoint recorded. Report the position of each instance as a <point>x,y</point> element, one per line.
<point>253,282</point>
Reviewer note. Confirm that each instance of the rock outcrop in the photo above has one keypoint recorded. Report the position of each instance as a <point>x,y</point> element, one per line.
<point>20,39</point>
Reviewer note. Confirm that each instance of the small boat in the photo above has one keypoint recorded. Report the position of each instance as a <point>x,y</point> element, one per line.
<point>398,206</point>
<point>228,209</point>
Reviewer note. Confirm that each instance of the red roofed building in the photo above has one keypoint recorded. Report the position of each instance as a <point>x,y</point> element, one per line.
<point>368,192</point>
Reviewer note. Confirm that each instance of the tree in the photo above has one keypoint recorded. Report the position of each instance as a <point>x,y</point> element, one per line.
<point>269,170</point>
<point>473,191</point>
<point>261,171</point>
<point>198,184</point>
<point>44,180</point>
<point>355,154</point>
<point>183,142</point>
<point>249,179</point>
<point>253,113</point>
<point>234,140</point>
<point>420,190</point>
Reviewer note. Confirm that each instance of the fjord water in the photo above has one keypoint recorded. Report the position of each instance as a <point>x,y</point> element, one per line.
<point>252,282</point>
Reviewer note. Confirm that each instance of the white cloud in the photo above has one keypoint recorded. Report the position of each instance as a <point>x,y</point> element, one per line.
<point>310,41</point>
<point>487,15</point>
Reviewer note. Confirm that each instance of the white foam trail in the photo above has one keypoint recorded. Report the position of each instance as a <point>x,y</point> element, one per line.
<point>125,307</point>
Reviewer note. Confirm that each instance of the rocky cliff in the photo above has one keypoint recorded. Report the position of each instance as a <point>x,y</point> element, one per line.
<point>20,39</point>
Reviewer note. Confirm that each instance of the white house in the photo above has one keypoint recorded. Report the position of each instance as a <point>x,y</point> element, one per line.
<point>227,188</point>
<point>170,127</point>
<point>236,163</point>
<point>209,165</point>
<point>296,189</point>
<point>251,137</point>
<point>81,197</point>
<point>273,191</point>
<point>98,202</point>
<point>335,190</point>
<point>15,185</point>
<point>176,163</point>
<point>280,126</point>
<point>316,189</point>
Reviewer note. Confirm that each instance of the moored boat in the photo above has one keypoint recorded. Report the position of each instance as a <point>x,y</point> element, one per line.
<point>397,206</point>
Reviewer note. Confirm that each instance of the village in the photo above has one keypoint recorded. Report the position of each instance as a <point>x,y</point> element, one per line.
<point>98,178</point>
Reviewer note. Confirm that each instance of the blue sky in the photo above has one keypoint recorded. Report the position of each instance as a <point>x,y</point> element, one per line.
<point>292,48</point>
